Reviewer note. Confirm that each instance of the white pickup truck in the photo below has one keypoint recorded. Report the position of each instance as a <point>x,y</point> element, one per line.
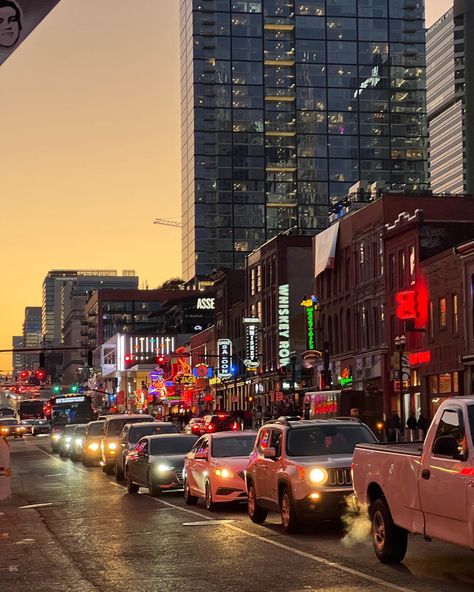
<point>423,488</point>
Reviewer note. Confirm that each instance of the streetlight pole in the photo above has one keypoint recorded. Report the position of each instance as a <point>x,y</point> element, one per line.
<point>400,343</point>
<point>293,357</point>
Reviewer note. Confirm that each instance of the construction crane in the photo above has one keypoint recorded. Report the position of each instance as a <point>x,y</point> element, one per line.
<point>167,222</point>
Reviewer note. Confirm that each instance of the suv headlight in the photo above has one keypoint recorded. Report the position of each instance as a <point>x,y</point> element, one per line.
<point>112,445</point>
<point>164,468</point>
<point>318,476</point>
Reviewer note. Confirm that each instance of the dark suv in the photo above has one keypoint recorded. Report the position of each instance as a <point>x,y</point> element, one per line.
<point>221,422</point>
<point>131,433</point>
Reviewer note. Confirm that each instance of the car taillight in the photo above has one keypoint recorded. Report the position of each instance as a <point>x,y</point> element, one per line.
<point>211,427</point>
<point>235,426</point>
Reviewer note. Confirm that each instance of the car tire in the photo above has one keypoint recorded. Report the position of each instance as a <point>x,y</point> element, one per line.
<point>119,474</point>
<point>389,540</point>
<point>257,514</point>
<point>289,519</point>
<point>153,489</point>
<point>210,505</point>
<point>189,498</point>
<point>131,486</point>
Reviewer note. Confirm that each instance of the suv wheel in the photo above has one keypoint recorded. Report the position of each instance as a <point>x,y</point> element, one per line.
<point>189,498</point>
<point>289,520</point>
<point>131,486</point>
<point>389,540</point>
<point>210,505</point>
<point>256,513</point>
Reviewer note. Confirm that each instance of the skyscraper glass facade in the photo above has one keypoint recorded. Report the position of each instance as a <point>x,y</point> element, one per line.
<point>285,105</point>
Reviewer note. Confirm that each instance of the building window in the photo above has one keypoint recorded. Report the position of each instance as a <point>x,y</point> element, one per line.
<point>411,263</point>
<point>401,269</point>
<point>434,384</point>
<point>259,278</point>
<point>381,254</point>
<point>442,313</point>
<point>430,322</point>
<point>391,271</point>
<point>252,281</point>
<point>455,314</point>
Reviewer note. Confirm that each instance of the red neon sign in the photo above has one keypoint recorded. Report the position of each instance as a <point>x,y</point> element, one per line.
<point>423,357</point>
<point>412,305</point>
<point>407,305</point>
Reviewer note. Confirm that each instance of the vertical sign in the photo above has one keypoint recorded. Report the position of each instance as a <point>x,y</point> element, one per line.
<point>224,362</point>
<point>284,325</point>
<point>18,18</point>
<point>310,305</point>
<point>251,343</point>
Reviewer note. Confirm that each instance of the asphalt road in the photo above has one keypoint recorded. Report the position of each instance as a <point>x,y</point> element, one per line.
<point>86,534</point>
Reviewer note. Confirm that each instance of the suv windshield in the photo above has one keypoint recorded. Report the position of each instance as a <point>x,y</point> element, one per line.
<point>138,432</point>
<point>177,445</point>
<point>96,428</point>
<point>235,446</point>
<point>326,439</point>
<point>80,430</point>
<point>8,422</point>
<point>115,426</point>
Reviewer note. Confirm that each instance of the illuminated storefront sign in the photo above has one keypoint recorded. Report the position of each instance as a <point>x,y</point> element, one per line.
<point>224,352</point>
<point>202,371</point>
<point>346,378</point>
<point>412,305</point>
<point>284,324</point>
<point>422,357</point>
<point>143,347</point>
<point>310,305</point>
<point>251,343</point>
<point>206,303</point>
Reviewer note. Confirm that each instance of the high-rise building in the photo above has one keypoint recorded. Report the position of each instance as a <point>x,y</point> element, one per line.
<point>58,286</point>
<point>287,103</point>
<point>450,91</point>
<point>18,361</point>
<point>32,335</point>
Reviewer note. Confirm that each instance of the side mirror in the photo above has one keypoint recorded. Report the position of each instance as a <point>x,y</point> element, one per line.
<point>200,456</point>
<point>446,446</point>
<point>269,453</point>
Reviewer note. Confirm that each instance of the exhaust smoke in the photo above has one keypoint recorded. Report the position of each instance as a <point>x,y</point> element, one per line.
<point>356,522</point>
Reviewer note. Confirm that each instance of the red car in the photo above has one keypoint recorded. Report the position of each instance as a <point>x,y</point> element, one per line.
<point>221,422</point>
<point>193,427</point>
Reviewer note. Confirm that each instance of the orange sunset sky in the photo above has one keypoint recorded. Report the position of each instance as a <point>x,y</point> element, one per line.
<point>90,148</point>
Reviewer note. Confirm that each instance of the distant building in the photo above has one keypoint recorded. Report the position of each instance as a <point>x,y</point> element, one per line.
<point>18,362</point>
<point>450,100</point>
<point>32,335</point>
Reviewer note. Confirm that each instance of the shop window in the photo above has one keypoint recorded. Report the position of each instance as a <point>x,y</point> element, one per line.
<point>445,383</point>
<point>411,263</point>
<point>455,382</point>
<point>415,378</point>
<point>455,315</point>
<point>442,313</point>
<point>434,384</point>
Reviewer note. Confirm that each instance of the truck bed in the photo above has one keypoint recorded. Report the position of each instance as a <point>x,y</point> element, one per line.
<point>408,448</point>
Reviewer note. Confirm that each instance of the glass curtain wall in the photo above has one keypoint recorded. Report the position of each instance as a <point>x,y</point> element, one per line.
<point>293,102</point>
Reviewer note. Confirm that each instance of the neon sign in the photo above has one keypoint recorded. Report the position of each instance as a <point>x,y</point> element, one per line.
<point>224,352</point>
<point>346,377</point>
<point>412,305</point>
<point>251,339</point>
<point>311,305</point>
<point>423,357</point>
<point>284,324</point>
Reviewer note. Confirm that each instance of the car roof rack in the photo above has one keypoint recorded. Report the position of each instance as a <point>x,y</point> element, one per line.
<point>347,418</point>
<point>286,419</point>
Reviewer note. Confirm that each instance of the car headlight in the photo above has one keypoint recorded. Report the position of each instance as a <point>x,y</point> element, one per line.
<point>112,445</point>
<point>318,476</point>
<point>79,441</point>
<point>68,439</point>
<point>93,446</point>
<point>56,437</point>
<point>225,473</point>
<point>164,468</point>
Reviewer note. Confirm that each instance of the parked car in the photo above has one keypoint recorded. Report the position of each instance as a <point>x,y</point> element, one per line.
<point>302,469</point>
<point>91,453</point>
<point>220,422</point>
<point>110,439</point>
<point>131,434</point>
<point>193,426</point>
<point>41,426</point>
<point>56,437</point>
<point>77,443</point>
<point>157,462</point>
<point>65,444</point>
<point>27,424</point>
<point>214,470</point>
<point>10,427</point>
<point>423,488</point>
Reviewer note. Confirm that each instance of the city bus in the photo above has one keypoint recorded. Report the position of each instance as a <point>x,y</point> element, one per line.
<point>65,409</point>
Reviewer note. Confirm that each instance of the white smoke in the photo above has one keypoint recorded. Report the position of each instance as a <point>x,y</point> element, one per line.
<point>356,522</point>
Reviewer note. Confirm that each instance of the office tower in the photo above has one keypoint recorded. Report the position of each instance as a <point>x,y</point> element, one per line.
<point>60,285</point>
<point>32,335</point>
<point>450,80</point>
<point>18,361</point>
<point>285,105</point>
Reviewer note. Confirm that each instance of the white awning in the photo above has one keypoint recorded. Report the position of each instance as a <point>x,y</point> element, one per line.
<point>325,249</point>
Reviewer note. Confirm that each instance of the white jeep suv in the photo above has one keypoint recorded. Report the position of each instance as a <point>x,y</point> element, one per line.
<point>302,469</point>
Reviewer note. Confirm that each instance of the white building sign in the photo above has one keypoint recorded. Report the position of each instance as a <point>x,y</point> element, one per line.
<point>224,351</point>
<point>284,324</point>
<point>251,343</point>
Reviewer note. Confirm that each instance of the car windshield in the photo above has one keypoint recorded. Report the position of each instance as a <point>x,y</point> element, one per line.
<point>138,432</point>
<point>95,428</point>
<point>326,439</point>
<point>69,428</point>
<point>233,446</point>
<point>116,425</point>
<point>80,430</point>
<point>8,422</point>
<point>175,445</point>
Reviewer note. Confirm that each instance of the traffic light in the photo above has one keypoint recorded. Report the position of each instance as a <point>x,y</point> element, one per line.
<point>24,375</point>
<point>160,359</point>
<point>56,389</point>
<point>74,388</point>
<point>40,374</point>
<point>129,359</point>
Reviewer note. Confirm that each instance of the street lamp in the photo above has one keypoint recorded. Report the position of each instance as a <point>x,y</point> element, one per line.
<point>400,343</point>
<point>293,358</point>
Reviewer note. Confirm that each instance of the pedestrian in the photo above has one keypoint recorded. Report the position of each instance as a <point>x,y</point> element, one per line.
<point>5,470</point>
<point>423,425</point>
<point>412,425</point>
<point>394,426</point>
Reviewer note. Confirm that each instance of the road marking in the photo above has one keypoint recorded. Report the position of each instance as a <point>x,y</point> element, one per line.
<point>35,506</point>
<point>55,475</point>
<point>10,568</point>
<point>316,558</point>
<point>25,542</point>
<point>213,522</point>
<point>61,461</point>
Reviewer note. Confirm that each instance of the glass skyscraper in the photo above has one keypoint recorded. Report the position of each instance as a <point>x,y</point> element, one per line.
<point>285,105</point>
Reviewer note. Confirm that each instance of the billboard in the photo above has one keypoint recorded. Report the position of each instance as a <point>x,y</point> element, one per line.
<point>18,18</point>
